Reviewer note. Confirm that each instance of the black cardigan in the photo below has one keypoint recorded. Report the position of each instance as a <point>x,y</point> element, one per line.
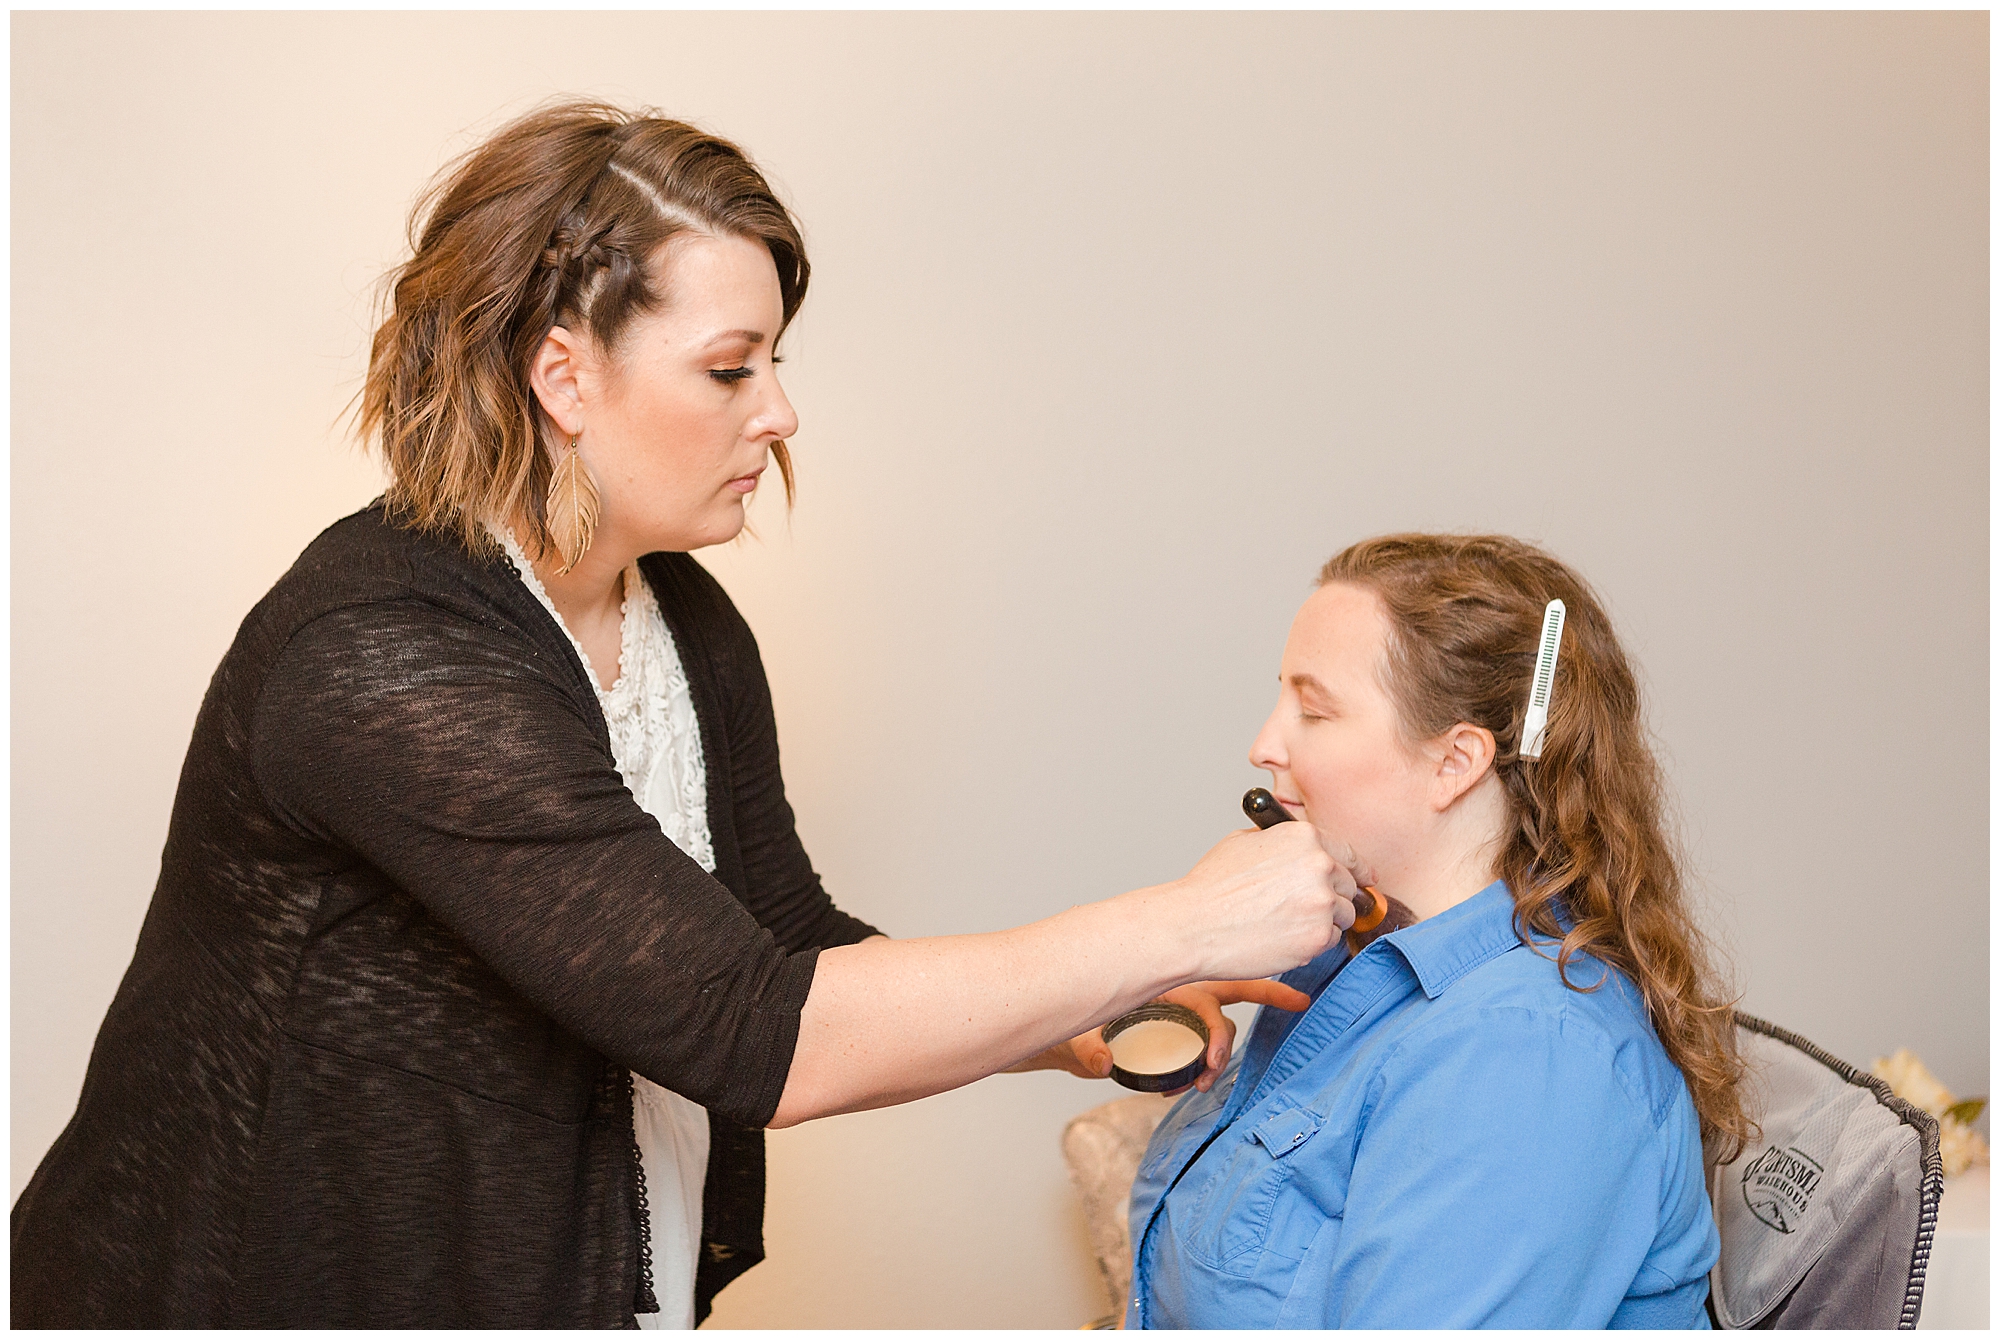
<point>369,1064</point>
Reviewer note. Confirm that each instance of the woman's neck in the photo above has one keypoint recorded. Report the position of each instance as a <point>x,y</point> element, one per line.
<point>592,590</point>
<point>590,597</point>
<point>1458,858</point>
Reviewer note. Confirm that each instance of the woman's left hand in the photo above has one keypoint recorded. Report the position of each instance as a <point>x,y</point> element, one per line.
<point>1088,1056</point>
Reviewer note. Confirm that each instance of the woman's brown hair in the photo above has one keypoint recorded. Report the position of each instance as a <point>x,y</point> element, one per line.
<point>1588,845</point>
<point>554,220</point>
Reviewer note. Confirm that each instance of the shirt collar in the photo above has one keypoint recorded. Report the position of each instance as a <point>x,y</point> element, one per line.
<point>1443,948</point>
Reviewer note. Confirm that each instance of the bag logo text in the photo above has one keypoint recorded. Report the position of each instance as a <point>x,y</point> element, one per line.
<point>1779,1184</point>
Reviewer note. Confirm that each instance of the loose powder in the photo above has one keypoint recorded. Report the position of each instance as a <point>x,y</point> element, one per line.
<point>1155,1047</point>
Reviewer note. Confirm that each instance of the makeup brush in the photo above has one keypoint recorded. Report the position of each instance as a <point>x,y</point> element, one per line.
<point>1375,914</point>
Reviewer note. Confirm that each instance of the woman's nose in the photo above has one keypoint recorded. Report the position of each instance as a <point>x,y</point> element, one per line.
<point>776,418</point>
<point>1267,751</point>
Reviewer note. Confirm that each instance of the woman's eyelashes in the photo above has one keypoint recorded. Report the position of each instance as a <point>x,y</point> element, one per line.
<point>731,376</point>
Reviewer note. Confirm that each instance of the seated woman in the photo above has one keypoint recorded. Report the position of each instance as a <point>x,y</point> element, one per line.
<point>1494,1114</point>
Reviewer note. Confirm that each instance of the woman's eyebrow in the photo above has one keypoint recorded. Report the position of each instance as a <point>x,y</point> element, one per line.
<point>747,336</point>
<point>1306,683</point>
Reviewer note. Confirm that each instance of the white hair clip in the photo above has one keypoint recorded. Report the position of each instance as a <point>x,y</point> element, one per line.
<point>1537,723</point>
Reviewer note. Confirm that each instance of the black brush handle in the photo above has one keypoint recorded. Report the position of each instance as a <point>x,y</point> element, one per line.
<point>1263,808</point>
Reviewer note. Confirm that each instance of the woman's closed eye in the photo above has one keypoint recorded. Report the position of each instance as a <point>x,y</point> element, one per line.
<point>731,376</point>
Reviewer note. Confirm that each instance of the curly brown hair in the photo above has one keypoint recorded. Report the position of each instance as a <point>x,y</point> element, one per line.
<point>554,220</point>
<point>1588,845</point>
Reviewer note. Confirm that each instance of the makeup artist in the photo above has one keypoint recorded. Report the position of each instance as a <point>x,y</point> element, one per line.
<point>483,945</point>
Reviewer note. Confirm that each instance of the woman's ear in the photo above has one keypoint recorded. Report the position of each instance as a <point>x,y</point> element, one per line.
<point>554,378</point>
<point>1464,754</point>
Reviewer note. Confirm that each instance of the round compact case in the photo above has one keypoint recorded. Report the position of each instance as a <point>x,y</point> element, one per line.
<point>1151,1044</point>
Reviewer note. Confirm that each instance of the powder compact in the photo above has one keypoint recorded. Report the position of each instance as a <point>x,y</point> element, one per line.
<point>1157,1047</point>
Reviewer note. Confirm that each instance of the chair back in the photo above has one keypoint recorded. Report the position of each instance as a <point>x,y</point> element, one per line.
<point>1102,1148</point>
<point>1827,1217</point>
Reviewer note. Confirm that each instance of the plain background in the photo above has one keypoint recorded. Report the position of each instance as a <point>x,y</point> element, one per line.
<point>1119,325</point>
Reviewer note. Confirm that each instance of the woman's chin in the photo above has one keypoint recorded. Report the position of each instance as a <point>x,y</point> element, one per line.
<point>718,525</point>
<point>736,516</point>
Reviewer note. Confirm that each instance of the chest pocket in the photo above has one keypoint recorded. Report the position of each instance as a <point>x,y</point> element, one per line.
<point>1229,1219</point>
<point>1282,1132</point>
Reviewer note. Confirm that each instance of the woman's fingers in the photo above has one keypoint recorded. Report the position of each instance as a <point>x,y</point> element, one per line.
<point>1261,903</point>
<point>1218,1055</point>
<point>1221,1039</point>
<point>1093,1057</point>
<point>1259,991</point>
<point>1084,1055</point>
<point>1221,1032</point>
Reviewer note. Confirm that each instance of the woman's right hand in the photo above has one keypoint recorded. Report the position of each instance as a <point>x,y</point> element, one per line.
<point>1262,902</point>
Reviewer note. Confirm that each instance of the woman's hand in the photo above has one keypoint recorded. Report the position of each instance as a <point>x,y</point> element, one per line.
<point>1264,902</point>
<point>1088,1057</point>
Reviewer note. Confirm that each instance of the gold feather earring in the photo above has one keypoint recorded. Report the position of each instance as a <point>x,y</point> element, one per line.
<point>572,509</point>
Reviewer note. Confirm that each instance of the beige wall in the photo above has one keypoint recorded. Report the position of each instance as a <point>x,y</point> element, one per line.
<point>1120,324</point>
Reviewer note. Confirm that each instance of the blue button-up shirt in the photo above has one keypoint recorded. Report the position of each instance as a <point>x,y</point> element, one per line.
<point>1449,1136</point>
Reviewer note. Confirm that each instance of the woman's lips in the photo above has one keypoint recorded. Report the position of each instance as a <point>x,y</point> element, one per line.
<point>745,483</point>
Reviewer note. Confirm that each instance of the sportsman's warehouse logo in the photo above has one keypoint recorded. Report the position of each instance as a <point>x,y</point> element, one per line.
<point>1779,1184</point>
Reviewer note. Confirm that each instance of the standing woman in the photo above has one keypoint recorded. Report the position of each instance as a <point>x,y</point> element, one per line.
<point>483,946</point>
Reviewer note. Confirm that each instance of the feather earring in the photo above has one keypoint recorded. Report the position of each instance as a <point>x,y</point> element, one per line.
<point>572,509</point>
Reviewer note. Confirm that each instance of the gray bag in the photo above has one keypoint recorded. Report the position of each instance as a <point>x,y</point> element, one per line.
<point>1827,1218</point>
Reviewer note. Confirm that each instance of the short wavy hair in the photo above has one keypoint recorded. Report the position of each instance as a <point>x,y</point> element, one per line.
<point>553,220</point>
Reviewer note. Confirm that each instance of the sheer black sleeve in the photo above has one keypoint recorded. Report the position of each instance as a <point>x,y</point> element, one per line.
<point>441,752</point>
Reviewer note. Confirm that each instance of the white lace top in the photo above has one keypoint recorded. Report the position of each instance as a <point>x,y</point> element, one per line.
<point>656,743</point>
